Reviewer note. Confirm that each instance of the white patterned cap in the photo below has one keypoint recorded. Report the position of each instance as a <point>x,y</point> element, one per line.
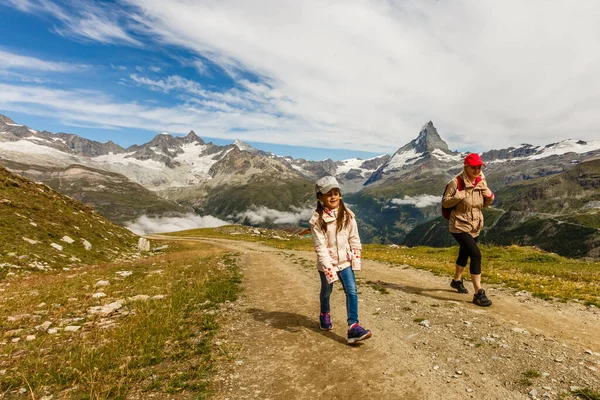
<point>325,184</point>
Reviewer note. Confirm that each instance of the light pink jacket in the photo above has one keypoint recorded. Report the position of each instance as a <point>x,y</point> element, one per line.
<point>335,250</point>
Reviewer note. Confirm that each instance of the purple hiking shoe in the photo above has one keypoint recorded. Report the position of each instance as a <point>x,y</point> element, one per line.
<point>357,333</point>
<point>325,322</point>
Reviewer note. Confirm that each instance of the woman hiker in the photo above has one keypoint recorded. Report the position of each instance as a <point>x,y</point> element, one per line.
<point>467,194</point>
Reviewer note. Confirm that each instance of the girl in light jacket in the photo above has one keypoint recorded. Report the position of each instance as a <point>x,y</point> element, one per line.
<point>338,248</point>
<point>466,222</point>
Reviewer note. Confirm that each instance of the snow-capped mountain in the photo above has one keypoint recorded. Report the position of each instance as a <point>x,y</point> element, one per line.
<point>530,152</point>
<point>166,161</point>
<point>429,152</point>
<point>351,173</point>
<point>244,146</point>
<point>427,148</point>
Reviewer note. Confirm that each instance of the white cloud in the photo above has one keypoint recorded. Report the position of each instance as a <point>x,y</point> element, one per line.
<point>261,215</point>
<point>154,69</point>
<point>201,67</point>
<point>421,201</point>
<point>86,21</point>
<point>214,118</point>
<point>488,73</point>
<point>145,225</point>
<point>14,61</point>
<point>367,74</point>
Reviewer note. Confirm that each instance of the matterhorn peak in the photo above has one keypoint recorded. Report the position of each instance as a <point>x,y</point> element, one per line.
<point>429,140</point>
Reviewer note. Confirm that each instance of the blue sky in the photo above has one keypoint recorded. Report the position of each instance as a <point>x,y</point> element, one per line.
<point>309,79</point>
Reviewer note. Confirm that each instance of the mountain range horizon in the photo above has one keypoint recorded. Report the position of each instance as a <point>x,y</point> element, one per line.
<point>394,196</point>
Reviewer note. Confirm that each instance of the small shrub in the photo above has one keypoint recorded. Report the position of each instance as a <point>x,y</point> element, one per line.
<point>532,373</point>
<point>587,393</point>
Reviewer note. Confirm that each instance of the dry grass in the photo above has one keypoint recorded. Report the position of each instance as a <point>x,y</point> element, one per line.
<point>161,345</point>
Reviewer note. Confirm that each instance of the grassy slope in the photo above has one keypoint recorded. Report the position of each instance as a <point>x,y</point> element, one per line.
<point>162,346</point>
<point>112,195</point>
<point>34,211</point>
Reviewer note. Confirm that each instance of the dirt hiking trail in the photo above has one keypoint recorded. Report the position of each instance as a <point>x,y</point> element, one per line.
<point>429,342</point>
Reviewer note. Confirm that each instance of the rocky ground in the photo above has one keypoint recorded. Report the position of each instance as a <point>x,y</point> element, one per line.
<point>429,342</point>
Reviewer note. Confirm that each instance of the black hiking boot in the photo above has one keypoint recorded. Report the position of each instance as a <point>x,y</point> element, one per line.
<point>481,299</point>
<point>458,285</point>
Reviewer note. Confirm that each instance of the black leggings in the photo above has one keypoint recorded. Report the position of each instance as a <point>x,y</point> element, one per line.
<point>468,248</point>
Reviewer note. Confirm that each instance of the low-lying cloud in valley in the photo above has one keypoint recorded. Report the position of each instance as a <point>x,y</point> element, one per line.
<point>422,201</point>
<point>145,225</point>
<point>261,215</point>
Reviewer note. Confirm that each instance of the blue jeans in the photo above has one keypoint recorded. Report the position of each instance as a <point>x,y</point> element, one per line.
<point>349,284</point>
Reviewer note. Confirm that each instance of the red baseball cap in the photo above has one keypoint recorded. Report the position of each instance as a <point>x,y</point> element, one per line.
<point>473,160</point>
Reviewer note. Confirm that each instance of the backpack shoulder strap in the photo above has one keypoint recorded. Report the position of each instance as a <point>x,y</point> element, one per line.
<point>460,184</point>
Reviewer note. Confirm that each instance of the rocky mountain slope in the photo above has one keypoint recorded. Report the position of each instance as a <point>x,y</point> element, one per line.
<point>41,229</point>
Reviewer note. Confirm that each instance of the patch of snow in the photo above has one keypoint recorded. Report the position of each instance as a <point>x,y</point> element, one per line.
<point>244,146</point>
<point>13,124</point>
<point>440,155</point>
<point>301,170</point>
<point>30,147</point>
<point>122,159</point>
<point>399,160</point>
<point>566,146</point>
<point>347,165</point>
<point>33,130</point>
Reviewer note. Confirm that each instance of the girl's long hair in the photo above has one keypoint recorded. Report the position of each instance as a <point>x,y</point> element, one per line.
<point>343,217</point>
